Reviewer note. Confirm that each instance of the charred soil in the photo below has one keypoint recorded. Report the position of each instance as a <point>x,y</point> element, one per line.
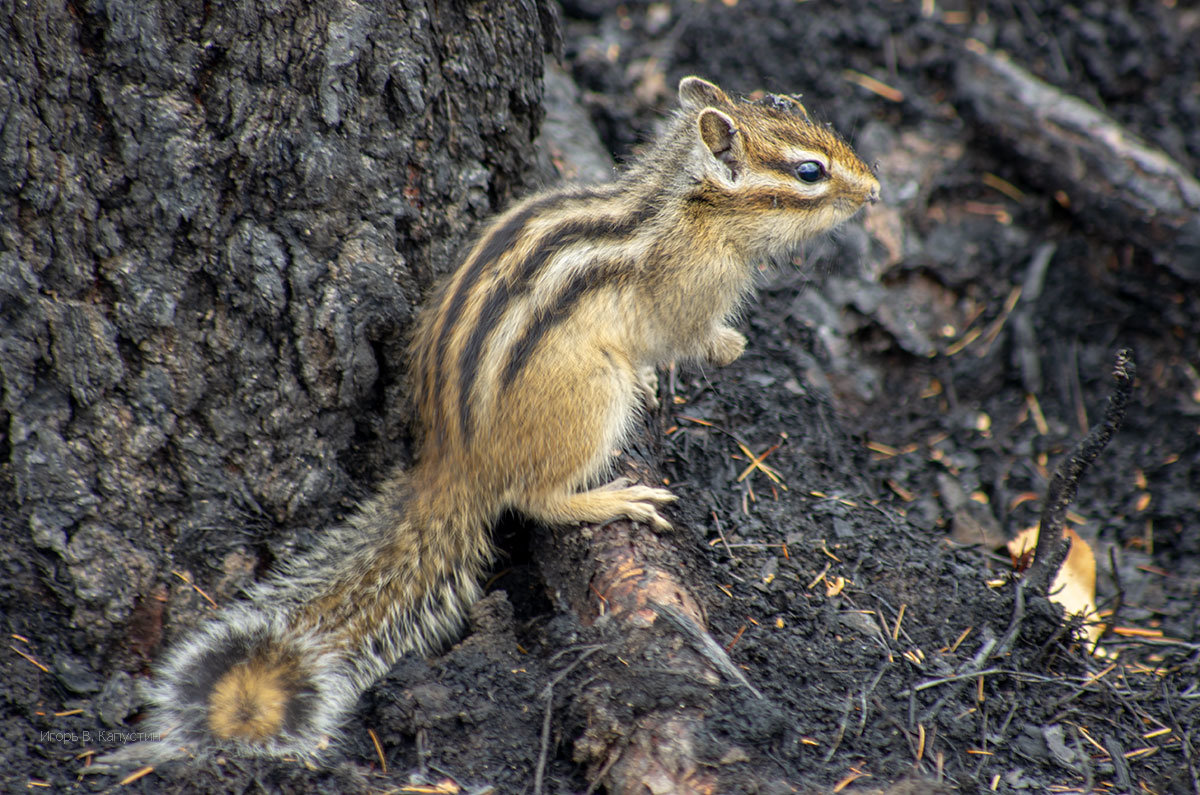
<point>844,488</point>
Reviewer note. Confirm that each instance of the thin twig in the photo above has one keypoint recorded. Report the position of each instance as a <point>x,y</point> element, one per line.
<point>944,680</point>
<point>548,694</point>
<point>703,643</point>
<point>608,763</point>
<point>1024,336</point>
<point>721,534</point>
<point>862,697</point>
<point>1120,767</point>
<point>841,728</point>
<point>971,669</point>
<point>1052,545</point>
<point>1119,587</point>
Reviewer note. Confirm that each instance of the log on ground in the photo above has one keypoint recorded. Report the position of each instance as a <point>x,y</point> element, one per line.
<point>1126,189</point>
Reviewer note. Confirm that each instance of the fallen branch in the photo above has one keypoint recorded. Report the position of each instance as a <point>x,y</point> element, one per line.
<point>630,579</point>
<point>635,589</point>
<point>1126,189</point>
<point>641,589</point>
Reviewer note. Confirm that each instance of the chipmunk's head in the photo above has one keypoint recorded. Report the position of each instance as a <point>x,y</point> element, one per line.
<point>778,174</point>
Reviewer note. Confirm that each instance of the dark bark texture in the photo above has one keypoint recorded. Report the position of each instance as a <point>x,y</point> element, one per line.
<point>215,223</point>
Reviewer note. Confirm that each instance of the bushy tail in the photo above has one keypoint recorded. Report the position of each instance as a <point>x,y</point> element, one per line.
<point>276,675</point>
<point>250,683</point>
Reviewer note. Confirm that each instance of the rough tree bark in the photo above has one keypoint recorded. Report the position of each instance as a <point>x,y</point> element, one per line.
<point>215,223</point>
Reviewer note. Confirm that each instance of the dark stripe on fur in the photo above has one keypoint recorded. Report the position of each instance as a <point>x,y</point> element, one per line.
<point>550,316</point>
<point>500,240</point>
<point>197,681</point>
<point>756,200</point>
<point>567,234</point>
<point>303,701</point>
<point>784,168</point>
<point>580,230</point>
<point>469,358</point>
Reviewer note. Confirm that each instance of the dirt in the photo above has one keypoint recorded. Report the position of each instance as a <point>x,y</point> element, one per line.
<point>874,336</point>
<point>841,595</point>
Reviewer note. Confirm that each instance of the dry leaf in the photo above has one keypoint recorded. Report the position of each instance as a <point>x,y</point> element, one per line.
<point>1075,586</point>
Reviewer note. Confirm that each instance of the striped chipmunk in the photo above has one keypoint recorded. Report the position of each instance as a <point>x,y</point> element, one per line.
<point>528,367</point>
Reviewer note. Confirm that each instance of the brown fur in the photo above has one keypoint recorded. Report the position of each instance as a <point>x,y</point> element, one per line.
<point>250,701</point>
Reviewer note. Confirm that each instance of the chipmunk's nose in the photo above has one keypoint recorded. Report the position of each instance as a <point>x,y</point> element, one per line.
<point>873,196</point>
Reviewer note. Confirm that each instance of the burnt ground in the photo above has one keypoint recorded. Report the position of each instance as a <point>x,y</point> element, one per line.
<point>892,355</point>
<point>902,342</point>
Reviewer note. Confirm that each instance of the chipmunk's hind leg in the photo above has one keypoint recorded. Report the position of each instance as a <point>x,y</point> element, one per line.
<point>570,436</point>
<point>614,500</point>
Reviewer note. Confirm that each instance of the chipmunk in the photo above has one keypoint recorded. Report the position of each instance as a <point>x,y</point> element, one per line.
<point>528,369</point>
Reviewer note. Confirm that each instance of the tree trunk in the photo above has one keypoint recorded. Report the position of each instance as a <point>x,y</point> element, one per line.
<point>217,220</point>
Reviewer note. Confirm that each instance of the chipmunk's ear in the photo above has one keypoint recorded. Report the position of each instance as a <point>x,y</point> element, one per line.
<point>696,93</point>
<point>722,138</point>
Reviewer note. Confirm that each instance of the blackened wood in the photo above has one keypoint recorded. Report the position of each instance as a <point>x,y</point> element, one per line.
<point>1124,188</point>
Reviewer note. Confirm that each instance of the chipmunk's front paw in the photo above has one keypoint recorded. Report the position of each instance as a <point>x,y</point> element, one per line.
<point>725,346</point>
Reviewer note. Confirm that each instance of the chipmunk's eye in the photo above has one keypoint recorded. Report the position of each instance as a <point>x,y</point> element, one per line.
<point>810,171</point>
